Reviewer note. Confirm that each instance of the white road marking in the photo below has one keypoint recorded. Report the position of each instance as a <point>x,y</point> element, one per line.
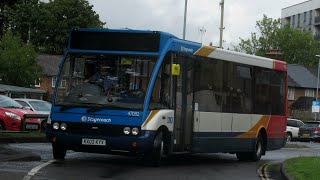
<point>36,169</point>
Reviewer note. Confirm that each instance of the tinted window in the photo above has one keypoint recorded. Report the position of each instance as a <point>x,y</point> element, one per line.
<point>262,102</point>
<point>208,85</point>
<point>291,123</point>
<point>277,92</point>
<point>311,125</point>
<point>299,124</point>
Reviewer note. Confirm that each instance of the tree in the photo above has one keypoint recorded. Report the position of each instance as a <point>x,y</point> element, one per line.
<point>297,46</point>
<point>49,23</point>
<point>18,64</point>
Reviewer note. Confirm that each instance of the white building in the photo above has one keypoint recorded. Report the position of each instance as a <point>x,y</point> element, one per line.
<point>304,16</point>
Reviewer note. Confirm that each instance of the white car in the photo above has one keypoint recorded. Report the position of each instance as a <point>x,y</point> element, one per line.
<point>293,126</point>
<point>37,106</point>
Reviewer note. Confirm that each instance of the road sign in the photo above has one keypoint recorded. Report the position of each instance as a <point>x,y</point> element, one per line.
<point>316,106</point>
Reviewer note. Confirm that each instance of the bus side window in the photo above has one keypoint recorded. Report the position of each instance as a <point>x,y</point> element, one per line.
<point>161,91</point>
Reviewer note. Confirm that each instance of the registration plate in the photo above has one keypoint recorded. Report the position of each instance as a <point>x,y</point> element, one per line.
<point>31,126</point>
<point>306,134</point>
<point>98,142</point>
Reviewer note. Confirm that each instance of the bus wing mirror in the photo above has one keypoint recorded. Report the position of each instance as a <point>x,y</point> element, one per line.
<point>175,69</point>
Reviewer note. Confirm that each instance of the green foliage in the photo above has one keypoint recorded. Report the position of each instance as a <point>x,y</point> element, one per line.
<point>303,168</point>
<point>49,23</point>
<point>298,47</point>
<point>18,64</point>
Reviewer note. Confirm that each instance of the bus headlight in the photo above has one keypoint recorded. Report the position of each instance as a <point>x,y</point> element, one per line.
<point>126,130</point>
<point>55,126</point>
<point>63,126</point>
<point>135,131</point>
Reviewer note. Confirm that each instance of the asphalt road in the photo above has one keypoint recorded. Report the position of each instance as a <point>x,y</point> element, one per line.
<point>97,166</point>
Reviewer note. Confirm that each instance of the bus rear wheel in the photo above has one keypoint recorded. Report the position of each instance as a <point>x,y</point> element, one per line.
<point>58,151</point>
<point>153,158</point>
<point>253,155</point>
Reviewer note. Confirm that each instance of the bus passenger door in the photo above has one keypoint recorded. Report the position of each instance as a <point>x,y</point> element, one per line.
<point>183,90</point>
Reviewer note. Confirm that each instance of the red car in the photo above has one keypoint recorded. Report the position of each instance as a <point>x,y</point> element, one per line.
<point>11,114</point>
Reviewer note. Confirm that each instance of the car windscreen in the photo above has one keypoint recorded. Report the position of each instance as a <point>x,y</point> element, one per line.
<point>40,105</point>
<point>7,102</point>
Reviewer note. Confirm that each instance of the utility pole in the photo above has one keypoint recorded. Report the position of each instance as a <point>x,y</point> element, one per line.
<point>202,31</point>
<point>185,18</point>
<point>221,22</point>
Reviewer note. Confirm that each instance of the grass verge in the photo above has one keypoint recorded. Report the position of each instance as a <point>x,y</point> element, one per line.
<point>18,135</point>
<point>295,146</point>
<point>303,168</point>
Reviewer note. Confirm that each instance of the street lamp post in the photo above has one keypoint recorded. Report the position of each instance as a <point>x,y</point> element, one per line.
<point>317,84</point>
<point>185,18</point>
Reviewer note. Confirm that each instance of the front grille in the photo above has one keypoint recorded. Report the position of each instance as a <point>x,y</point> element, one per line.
<point>94,129</point>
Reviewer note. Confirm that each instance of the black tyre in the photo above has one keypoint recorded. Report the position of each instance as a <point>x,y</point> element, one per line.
<point>289,136</point>
<point>154,158</point>
<point>2,126</point>
<point>253,155</point>
<point>43,125</point>
<point>58,151</point>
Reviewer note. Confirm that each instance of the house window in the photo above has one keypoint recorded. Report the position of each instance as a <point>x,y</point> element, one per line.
<point>310,19</point>
<point>309,92</point>
<point>54,79</point>
<point>304,17</point>
<point>37,83</point>
<point>298,20</point>
<point>62,84</point>
<point>290,93</point>
<point>293,19</point>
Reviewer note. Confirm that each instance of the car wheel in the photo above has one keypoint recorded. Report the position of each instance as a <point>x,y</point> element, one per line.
<point>2,126</point>
<point>253,155</point>
<point>289,136</point>
<point>58,151</point>
<point>43,125</point>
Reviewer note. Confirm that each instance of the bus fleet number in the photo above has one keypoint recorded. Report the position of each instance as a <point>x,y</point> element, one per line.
<point>132,113</point>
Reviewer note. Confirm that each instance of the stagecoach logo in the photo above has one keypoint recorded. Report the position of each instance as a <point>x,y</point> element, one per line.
<point>184,49</point>
<point>95,120</point>
<point>83,118</point>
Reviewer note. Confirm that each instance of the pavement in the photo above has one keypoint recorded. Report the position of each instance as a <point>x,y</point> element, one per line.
<point>8,153</point>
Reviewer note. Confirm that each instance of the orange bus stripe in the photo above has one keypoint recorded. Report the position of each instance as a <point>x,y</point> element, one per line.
<point>151,115</point>
<point>205,51</point>
<point>253,132</point>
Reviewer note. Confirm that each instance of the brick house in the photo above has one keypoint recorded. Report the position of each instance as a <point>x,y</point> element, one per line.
<point>302,82</point>
<point>50,67</point>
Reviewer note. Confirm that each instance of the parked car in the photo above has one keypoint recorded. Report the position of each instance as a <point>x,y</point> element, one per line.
<point>11,114</point>
<point>293,126</point>
<point>37,106</point>
<point>310,131</point>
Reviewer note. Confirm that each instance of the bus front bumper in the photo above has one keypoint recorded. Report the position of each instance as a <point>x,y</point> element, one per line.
<point>113,144</point>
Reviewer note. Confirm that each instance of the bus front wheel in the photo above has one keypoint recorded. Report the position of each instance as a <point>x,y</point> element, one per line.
<point>253,155</point>
<point>58,151</point>
<point>153,158</point>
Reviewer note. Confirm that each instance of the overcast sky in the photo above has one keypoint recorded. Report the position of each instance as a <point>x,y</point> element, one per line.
<point>167,15</point>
